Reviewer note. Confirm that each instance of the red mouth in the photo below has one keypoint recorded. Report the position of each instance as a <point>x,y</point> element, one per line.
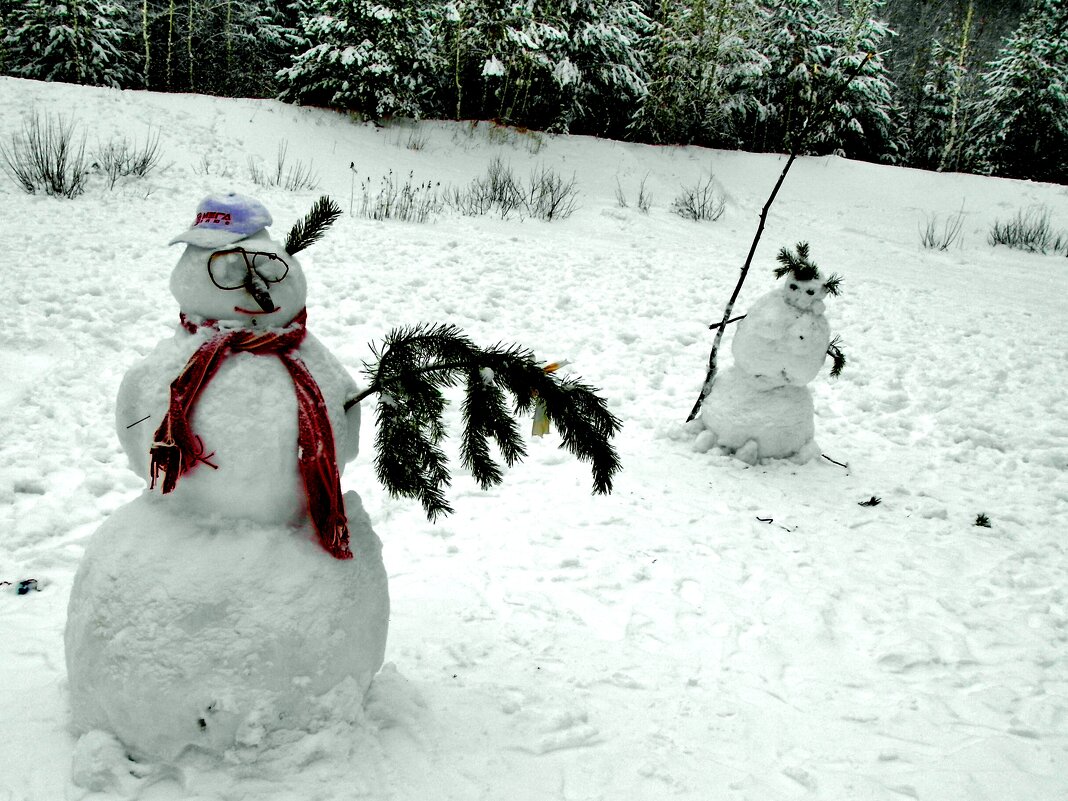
<point>257,311</point>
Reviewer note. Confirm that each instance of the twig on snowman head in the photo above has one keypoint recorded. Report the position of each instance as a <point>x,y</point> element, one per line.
<point>310,230</point>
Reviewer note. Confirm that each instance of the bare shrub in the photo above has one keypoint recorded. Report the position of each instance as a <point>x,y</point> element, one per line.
<point>291,177</point>
<point>48,156</point>
<point>122,159</point>
<point>498,190</point>
<point>417,140</point>
<point>545,195</point>
<point>645,200</point>
<point>410,201</point>
<point>549,196</point>
<point>213,166</point>
<point>1031,230</point>
<point>702,202</point>
<point>942,234</point>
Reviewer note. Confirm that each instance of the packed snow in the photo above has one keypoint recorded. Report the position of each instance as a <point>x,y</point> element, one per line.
<point>761,407</point>
<point>712,629</point>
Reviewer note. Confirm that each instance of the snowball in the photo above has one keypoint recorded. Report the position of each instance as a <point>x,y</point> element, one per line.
<point>95,762</point>
<point>781,343</point>
<point>206,632</point>
<point>246,418</point>
<point>755,421</point>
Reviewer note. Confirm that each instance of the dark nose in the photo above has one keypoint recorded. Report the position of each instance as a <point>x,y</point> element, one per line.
<point>257,287</point>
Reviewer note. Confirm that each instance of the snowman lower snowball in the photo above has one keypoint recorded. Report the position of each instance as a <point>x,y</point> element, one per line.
<point>241,594</point>
<point>761,406</point>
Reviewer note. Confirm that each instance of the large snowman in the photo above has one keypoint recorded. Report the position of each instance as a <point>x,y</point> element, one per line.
<point>761,406</point>
<point>240,598</point>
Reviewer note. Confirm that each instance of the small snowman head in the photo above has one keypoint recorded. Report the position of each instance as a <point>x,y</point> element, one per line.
<point>232,271</point>
<point>804,288</point>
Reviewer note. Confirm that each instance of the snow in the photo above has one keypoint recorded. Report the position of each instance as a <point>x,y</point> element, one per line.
<point>760,407</point>
<point>711,629</point>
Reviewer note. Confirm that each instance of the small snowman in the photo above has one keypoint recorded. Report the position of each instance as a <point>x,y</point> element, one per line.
<point>241,597</point>
<point>761,407</point>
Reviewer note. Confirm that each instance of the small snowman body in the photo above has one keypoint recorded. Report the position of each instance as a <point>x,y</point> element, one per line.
<point>761,406</point>
<point>212,617</point>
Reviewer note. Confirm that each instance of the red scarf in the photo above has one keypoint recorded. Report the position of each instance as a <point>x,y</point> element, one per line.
<point>176,449</point>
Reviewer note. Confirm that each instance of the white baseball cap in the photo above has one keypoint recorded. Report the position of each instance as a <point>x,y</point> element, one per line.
<point>225,219</point>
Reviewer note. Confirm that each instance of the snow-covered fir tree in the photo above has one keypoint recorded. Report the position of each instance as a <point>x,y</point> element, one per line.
<point>599,70</point>
<point>503,55</point>
<point>868,107</point>
<point>703,60</point>
<point>78,41</point>
<point>219,47</point>
<point>6,7</point>
<point>939,122</point>
<point>362,56</point>
<point>1021,122</point>
<point>812,52</point>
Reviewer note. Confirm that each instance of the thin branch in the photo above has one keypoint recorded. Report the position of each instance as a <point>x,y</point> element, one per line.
<point>728,322</point>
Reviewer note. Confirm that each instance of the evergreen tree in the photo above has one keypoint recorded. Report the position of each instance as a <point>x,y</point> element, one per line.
<point>362,56</point>
<point>703,64</point>
<point>219,47</point>
<point>599,69</point>
<point>6,8</point>
<point>940,119</point>
<point>868,111</point>
<point>503,54</point>
<point>811,52</point>
<point>78,41</point>
<point>1021,124</point>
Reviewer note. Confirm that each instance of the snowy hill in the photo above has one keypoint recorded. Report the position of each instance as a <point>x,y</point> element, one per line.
<point>710,630</point>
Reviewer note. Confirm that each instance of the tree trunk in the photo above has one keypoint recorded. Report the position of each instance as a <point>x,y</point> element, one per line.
<point>147,39</point>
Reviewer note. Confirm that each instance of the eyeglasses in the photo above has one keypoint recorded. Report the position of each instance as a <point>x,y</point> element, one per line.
<point>229,268</point>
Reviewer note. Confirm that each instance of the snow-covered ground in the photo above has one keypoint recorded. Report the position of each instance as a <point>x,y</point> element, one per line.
<point>709,631</point>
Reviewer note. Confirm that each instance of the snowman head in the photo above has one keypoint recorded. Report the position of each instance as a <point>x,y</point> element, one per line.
<point>804,288</point>
<point>804,294</point>
<point>232,271</point>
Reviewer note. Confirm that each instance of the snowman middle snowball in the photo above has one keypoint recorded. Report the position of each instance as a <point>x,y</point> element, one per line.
<point>245,416</point>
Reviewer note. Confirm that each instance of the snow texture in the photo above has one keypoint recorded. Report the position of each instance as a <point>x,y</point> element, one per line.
<point>664,642</point>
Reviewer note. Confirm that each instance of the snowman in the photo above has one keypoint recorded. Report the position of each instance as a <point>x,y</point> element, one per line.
<point>761,406</point>
<point>241,599</point>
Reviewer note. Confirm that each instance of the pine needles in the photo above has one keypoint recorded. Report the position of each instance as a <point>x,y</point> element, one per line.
<point>838,359</point>
<point>416,363</point>
<point>310,230</point>
<point>803,268</point>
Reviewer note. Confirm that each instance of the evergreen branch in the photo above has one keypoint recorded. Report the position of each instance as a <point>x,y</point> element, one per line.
<point>407,461</point>
<point>310,230</point>
<point>833,285</point>
<point>413,366</point>
<point>485,416</point>
<point>800,265</point>
<point>834,350</point>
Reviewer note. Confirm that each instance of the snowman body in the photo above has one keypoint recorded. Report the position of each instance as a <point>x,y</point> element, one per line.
<point>761,407</point>
<point>246,418</point>
<point>212,618</point>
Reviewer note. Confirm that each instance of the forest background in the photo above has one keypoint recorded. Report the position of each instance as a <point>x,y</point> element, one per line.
<point>950,85</point>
